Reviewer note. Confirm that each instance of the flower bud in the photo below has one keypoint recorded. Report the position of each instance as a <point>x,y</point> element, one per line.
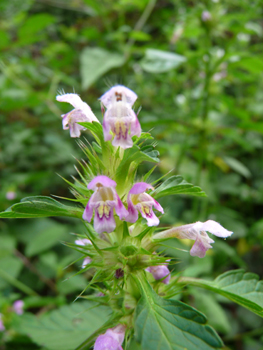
<point>18,307</point>
<point>159,272</point>
<point>111,340</point>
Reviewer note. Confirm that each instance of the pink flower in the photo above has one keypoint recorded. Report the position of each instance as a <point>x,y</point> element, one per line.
<point>103,201</point>
<point>82,242</point>
<point>2,327</point>
<point>206,16</point>
<point>10,195</point>
<point>138,200</point>
<point>159,272</point>
<point>18,307</point>
<point>81,113</point>
<point>111,340</point>
<point>120,121</point>
<point>197,232</point>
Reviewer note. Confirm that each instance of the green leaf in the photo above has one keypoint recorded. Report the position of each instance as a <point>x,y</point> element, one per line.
<point>136,156</point>
<point>66,327</point>
<point>159,61</point>
<point>177,185</point>
<point>47,234</point>
<point>237,166</point>
<point>171,325</point>
<point>40,206</point>
<point>243,288</point>
<point>95,61</point>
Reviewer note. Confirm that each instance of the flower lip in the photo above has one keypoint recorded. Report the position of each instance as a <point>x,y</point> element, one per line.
<point>140,187</point>
<point>116,94</point>
<point>100,181</point>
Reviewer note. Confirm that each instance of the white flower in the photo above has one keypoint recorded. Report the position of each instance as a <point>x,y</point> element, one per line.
<point>81,113</point>
<point>197,232</point>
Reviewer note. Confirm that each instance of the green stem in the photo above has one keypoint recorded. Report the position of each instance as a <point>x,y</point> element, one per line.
<point>17,284</point>
<point>140,23</point>
<point>204,117</point>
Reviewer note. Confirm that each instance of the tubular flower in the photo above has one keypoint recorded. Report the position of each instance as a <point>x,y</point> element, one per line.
<point>138,200</point>
<point>120,120</point>
<point>197,232</point>
<point>18,307</point>
<point>81,113</point>
<point>103,201</point>
<point>111,340</point>
<point>82,242</point>
<point>159,272</point>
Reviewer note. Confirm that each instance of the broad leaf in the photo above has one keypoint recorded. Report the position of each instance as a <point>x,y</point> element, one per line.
<point>40,206</point>
<point>95,61</point>
<point>159,61</point>
<point>66,327</point>
<point>243,288</point>
<point>177,185</point>
<point>171,325</point>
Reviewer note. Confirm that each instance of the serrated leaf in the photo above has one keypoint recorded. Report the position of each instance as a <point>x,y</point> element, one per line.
<point>95,62</point>
<point>40,206</point>
<point>243,288</point>
<point>66,327</point>
<point>171,325</point>
<point>177,185</point>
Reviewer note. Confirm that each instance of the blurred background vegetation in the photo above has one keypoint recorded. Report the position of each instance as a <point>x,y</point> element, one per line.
<point>197,68</point>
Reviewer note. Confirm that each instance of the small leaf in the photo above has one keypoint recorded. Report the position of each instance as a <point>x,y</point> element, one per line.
<point>177,185</point>
<point>65,328</point>
<point>95,61</point>
<point>158,61</point>
<point>171,325</point>
<point>243,288</point>
<point>237,166</point>
<point>40,206</point>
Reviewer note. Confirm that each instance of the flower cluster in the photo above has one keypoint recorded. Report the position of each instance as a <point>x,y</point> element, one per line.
<point>112,202</point>
<point>105,200</point>
<point>120,122</point>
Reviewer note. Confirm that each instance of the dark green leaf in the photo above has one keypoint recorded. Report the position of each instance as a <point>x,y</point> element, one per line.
<point>177,185</point>
<point>40,206</point>
<point>65,328</point>
<point>171,325</point>
<point>243,288</point>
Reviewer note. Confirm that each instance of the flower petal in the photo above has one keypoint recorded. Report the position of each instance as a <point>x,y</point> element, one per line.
<point>136,127</point>
<point>215,228</point>
<point>106,129</point>
<point>104,224</point>
<point>118,93</point>
<point>200,247</point>
<point>120,209</point>
<point>151,218</point>
<point>103,180</point>
<point>88,212</point>
<point>159,272</point>
<point>140,187</point>
<point>78,104</point>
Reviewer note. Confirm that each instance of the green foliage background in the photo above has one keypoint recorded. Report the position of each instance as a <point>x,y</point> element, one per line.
<point>201,90</point>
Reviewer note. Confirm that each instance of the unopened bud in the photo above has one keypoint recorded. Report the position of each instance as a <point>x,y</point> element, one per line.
<point>18,307</point>
<point>159,272</point>
<point>112,339</point>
